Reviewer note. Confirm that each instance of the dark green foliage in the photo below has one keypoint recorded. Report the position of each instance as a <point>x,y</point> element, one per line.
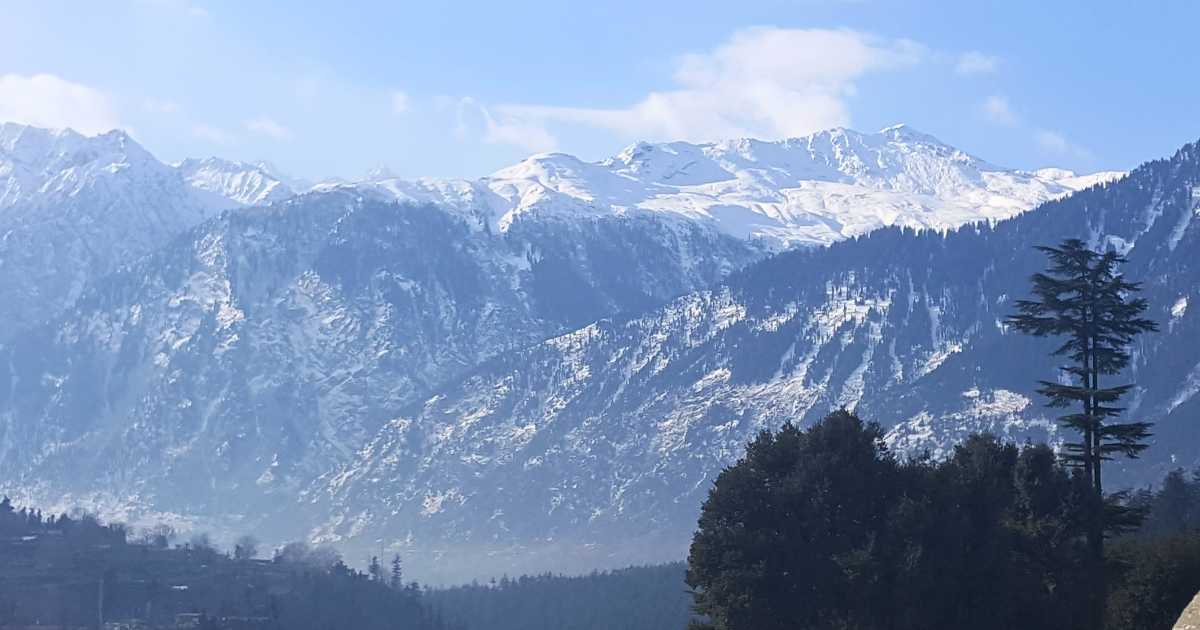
<point>68,571</point>
<point>1084,299</point>
<point>823,528</point>
<point>1173,509</point>
<point>1157,579</point>
<point>637,598</point>
<point>1157,568</point>
<point>396,578</point>
<point>814,500</point>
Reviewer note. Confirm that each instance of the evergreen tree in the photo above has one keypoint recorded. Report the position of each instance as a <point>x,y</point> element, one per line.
<point>375,570</point>
<point>246,548</point>
<point>397,577</point>
<point>1083,298</point>
<point>787,536</point>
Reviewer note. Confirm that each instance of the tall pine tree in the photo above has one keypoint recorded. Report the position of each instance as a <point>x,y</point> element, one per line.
<point>397,578</point>
<point>1085,300</point>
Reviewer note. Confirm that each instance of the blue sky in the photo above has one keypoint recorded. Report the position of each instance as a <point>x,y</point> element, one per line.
<point>461,89</point>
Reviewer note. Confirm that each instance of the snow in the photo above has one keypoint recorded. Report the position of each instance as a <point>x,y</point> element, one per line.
<point>242,183</point>
<point>1191,387</point>
<point>1179,307</point>
<point>813,190</point>
<point>1001,412</point>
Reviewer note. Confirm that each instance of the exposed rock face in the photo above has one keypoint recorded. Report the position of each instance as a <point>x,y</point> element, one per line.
<point>1190,619</point>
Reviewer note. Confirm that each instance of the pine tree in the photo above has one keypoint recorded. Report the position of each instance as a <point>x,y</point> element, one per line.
<point>1084,298</point>
<point>375,570</point>
<point>397,579</point>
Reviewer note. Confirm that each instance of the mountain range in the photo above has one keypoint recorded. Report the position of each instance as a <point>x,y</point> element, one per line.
<point>557,358</point>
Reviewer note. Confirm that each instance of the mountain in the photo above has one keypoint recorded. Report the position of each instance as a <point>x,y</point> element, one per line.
<point>372,356</point>
<point>74,208</point>
<point>610,435</point>
<point>226,371</point>
<point>806,191</point>
<point>245,184</point>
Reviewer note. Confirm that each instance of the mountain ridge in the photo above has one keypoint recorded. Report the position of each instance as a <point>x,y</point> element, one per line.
<point>811,190</point>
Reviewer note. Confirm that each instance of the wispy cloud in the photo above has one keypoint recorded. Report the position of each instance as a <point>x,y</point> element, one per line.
<point>974,62</point>
<point>399,102</point>
<point>46,100</point>
<point>1056,143</point>
<point>764,82</point>
<point>265,126</point>
<point>529,135</point>
<point>996,109</point>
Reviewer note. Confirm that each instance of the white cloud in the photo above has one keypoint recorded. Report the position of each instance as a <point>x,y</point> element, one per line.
<point>399,102</point>
<point>45,100</point>
<point>1058,144</point>
<point>997,110</point>
<point>1051,141</point>
<point>264,126</point>
<point>212,134</point>
<point>529,135</point>
<point>975,62</point>
<point>763,82</point>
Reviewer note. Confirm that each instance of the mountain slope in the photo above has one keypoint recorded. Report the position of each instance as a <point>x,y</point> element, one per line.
<point>264,348</point>
<point>611,434</point>
<point>74,208</point>
<point>245,184</point>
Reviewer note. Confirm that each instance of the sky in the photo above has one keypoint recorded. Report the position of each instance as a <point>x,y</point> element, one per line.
<point>461,89</point>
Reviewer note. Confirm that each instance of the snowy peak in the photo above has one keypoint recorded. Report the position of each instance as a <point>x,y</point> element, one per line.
<point>44,164</point>
<point>812,190</point>
<point>74,208</point>
<point>242,183</point>
<point>896,158</point>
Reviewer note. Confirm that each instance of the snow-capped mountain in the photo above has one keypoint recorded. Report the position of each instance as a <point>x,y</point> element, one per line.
<point>354,346</point>
<point>611,434</point>
<point>246,184</point>
<point>813,190</point>
<point>262,349</point>
<point>74,208</point>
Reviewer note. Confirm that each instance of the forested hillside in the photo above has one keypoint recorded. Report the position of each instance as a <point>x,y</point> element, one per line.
<point>636,598</point>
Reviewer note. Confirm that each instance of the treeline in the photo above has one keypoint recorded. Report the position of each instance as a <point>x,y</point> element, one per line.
<point>73,571</point>
<point>636,598</point>
<point>824,528</point>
